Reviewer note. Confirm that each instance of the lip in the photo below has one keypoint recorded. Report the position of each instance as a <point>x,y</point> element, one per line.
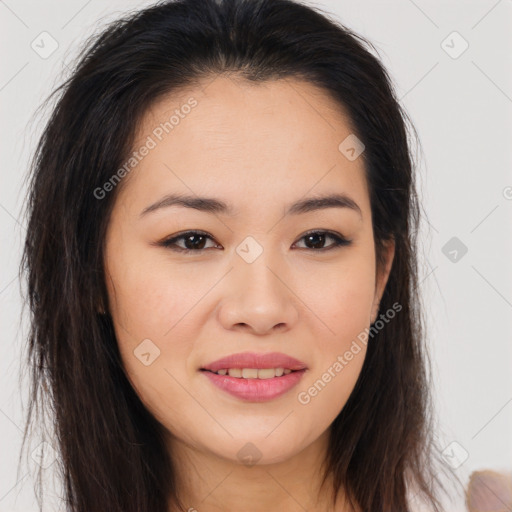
<point>255,360</point>
<point>255,390</point>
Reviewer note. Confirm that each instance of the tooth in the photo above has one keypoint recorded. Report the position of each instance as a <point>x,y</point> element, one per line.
<point>254,373</point>
<point>249,373</point>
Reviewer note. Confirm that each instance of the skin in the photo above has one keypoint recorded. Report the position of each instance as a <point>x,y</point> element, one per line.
<point>258,147</point>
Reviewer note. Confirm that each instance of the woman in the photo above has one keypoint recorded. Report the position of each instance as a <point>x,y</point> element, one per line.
<point>222,272</point>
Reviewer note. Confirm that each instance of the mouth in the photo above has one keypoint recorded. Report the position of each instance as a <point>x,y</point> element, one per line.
<point>254,377</point>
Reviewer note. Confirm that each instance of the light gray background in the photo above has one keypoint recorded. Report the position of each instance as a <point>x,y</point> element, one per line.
<point>462,108</point>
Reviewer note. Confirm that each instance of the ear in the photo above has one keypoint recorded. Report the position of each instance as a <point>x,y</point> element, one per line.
<point>382,272</point>
<point>100,308</point>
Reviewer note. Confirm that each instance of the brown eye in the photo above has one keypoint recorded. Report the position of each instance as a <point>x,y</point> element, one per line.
<point>193,241</point>
<point>315,240</point>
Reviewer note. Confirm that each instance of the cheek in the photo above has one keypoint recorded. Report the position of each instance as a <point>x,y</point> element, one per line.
<point>149,321</point>
<point>339,356</point>
<point>155,312</point>
<point>341,295</point>
<point>342,299</point>
<point>147,298</point>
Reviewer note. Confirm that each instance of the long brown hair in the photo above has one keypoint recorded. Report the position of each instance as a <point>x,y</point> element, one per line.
<point>111,449</point>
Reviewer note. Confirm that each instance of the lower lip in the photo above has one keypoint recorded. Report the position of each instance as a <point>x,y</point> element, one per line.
<point>256,390</point>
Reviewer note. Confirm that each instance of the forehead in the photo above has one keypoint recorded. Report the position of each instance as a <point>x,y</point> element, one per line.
<point>275,140</point>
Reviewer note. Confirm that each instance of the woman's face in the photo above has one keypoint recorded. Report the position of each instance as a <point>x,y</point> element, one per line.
<point>257,282</point>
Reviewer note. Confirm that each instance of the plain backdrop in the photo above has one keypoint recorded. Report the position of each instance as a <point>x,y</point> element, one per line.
<point>451,67</point>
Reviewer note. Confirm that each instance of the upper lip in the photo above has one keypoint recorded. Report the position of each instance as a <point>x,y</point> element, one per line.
<point>255,360</point>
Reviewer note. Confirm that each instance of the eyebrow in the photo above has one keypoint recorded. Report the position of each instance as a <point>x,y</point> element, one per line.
<point>217,206</point>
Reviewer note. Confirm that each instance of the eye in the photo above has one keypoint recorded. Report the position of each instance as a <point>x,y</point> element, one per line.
<point>194,241</point>
<point>317,238</point>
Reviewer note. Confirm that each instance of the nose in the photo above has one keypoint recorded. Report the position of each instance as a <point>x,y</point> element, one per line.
<point>258,299</point>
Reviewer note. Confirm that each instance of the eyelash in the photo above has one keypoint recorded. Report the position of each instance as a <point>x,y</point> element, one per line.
<point>339,241</point>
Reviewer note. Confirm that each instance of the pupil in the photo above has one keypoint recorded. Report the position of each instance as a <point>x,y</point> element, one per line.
<point>320,238</point>
<point>192,245</point>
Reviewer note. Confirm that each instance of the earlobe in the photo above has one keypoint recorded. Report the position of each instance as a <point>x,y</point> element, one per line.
<point>100,307</point>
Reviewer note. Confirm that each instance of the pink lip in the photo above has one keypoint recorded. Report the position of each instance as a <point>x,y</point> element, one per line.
<point>255,390</point>
<point>254,360</point>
